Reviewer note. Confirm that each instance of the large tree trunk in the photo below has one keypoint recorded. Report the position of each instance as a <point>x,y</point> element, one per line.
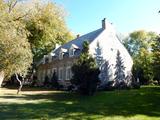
<point>20,83</point>
<point>1,77</point>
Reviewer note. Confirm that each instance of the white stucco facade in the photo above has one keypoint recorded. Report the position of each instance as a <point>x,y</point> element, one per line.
<point>110,44</point>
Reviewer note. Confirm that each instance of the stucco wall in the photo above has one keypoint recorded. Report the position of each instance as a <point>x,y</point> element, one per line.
<point>110,44</point>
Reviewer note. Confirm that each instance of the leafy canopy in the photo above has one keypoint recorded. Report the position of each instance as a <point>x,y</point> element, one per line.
<point>15,52</point>
<point>139,45</point>
<point>47,27</point>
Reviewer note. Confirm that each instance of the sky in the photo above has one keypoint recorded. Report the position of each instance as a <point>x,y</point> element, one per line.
<point>84,16</point>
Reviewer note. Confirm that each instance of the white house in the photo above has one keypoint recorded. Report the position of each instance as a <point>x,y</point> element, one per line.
<point>103,46</point>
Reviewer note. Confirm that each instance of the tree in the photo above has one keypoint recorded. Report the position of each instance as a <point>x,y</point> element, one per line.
<point>143,66</point>
<point>25,31</point>
<point>98,55</point>
<point>15,52</point>
<point>105,74</point>
<point>46,81</point>
<point>156,58</point>
<point>54,80</point>
<point>139,45</point>
<point>47,27</point>
<point>137,40</point>
<point>85,72</point>
<point>119,69</point>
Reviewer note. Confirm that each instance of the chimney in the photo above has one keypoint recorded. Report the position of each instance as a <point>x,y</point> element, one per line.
<point>104,23</point>
<point>78,36</point>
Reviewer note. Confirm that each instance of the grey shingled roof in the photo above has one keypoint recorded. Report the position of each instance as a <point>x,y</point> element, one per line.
<point>79,41</point>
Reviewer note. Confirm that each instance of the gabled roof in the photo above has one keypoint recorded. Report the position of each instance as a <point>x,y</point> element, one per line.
<point>79,41</point>
<point>74,46</point>
<point>63,50</point>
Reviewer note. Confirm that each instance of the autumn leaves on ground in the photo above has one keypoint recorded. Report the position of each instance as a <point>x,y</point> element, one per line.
<point>141,104</point>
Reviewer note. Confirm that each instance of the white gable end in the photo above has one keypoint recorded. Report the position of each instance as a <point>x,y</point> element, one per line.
<point>110,44</point>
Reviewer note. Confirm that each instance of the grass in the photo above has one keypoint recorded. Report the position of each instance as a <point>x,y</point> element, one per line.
<point>142,104</point>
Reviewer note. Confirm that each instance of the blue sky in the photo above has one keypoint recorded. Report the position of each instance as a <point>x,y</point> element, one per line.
<point>126,15</point>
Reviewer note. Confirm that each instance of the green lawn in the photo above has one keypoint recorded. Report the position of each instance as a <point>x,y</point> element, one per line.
<point>142,104</point>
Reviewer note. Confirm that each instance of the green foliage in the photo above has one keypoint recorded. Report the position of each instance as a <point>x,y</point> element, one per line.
<point>139,45</point>
<point>137,40</point>
<point>47,27</point>
<point>156,58</point>
<point>54,80</point>
<point>15,52</point>
<point>119,67</point>
<point>85,72</point>
<point>143,66</point>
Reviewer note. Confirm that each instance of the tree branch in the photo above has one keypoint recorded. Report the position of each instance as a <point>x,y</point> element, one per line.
<point>20,83</point>
<point>20,17</point>
<point>11,5</point>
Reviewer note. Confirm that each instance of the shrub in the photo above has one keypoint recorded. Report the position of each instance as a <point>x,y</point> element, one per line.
<point>85,72</point>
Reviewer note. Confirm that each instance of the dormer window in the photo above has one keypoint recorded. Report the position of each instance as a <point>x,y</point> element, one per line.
<point>72,50</point>
<point>46,60</point>
<point>61,53</point>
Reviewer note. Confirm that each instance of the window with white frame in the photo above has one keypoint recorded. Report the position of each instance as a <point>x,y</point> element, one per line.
<point>68,73</point>
<point>54,70</point>
<point>60,75</point>
<point>61,55</point>
<point>71,52</point>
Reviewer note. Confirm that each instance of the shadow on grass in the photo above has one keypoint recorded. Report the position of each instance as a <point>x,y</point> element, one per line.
<point>72,106</point>
<point>28,88</point>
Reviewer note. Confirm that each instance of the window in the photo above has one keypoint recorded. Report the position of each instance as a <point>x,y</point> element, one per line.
<point>60,75</point>
<point>72,49</point>
<point>54,70</point>
<point>68,73</point>
<point>71,52</point>
<point>46,60</point>
<point>60,55</point>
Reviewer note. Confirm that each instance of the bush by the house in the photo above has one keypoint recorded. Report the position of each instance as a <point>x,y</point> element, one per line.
<point>46,82</point>
<point>54,81</point>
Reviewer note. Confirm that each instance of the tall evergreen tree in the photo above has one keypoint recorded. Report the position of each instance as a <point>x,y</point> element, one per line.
<point>119,72</point>
<point>54,80</point>
<point>105,74</point>
<point>98,55</point>
<point>85,72</point>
